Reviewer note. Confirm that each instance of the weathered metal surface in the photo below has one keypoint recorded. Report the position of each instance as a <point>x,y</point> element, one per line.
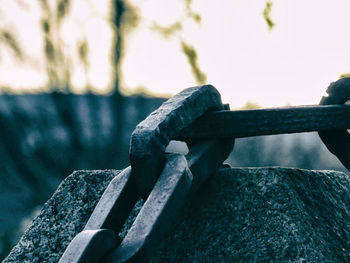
<point>164,202</point>
<point>157,214</point>
<point>337,140</point>
<point>151,136</point>
<point>165,181</point>
<point>110,213</point>
<point>246,123</point>
<point>115,204</point>
<point>148,144</point>
<point>205,158</point>
<point>90,246</point>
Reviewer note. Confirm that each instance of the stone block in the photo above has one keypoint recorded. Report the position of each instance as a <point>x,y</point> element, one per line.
<point>239,215</point>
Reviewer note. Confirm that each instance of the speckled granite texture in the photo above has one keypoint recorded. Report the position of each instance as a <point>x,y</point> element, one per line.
<point>62,217</point>
<point>240,215</point>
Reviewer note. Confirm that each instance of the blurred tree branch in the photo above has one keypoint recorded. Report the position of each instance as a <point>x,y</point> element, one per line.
<point>267,14</point>
<point>123,17</point>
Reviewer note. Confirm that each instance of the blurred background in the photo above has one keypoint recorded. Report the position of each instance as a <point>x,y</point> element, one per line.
<point>76,76</point>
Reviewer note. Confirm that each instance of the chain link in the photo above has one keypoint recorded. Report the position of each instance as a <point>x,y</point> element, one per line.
<point>166,181</point>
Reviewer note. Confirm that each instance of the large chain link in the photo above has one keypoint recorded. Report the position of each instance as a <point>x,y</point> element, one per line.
<point>165,181</point>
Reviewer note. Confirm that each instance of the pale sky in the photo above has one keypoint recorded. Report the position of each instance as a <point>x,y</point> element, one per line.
<point>294,63</point>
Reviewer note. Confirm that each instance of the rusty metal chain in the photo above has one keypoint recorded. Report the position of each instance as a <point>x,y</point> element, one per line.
<point>166,181</point>
<point>337,140</point>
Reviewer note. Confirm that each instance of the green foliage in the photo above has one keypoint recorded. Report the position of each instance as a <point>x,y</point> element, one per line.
<point>267,14</point>
<point>190,13</point>
<point>123,18</point>
<point>189,51</point>
<point>62,9</point>
<point>44,4</point>
<point>7,38</point>
<point>83,50</point>
<point>169,31</point>
<point>83,54</point>
<point>344,75</point>
<point>45,26</point>
<point>192,59</point>
<point>57,63</point>
<point>251,106</point>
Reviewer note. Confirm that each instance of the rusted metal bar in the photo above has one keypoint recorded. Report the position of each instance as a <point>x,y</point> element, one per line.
<point>115,204</point>
<point>247,123</point>
<point>167,194</point>
<point>157,214</point>
<point>100,234</point>
<point>90,246</point>
<point>152,135</point>
<point>337,141</point>
<point>178,181</point>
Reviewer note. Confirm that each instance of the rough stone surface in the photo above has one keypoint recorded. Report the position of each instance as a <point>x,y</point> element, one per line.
<point>62,217</point>
<point>240,215</point>
<point>266,215</point>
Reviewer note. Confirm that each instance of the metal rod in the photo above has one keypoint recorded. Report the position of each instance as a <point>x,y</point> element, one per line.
<point>247,123</point>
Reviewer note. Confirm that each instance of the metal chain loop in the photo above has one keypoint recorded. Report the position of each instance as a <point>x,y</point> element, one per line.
<point>338,140</point>
<point>165,181</point>
<point>151,136</point>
